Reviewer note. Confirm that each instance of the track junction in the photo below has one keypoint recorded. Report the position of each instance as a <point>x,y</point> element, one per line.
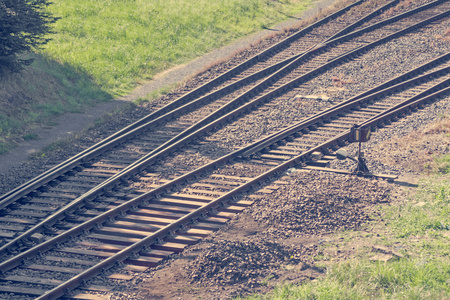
<point>177,175</point>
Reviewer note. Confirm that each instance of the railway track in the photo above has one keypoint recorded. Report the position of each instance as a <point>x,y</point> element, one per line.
<point>206,191</point>
<point>87,174</point>
<point>160,126</point>
<point>145,229</point>
<point>120,161</point>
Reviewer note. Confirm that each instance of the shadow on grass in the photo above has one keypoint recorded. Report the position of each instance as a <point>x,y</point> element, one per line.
<point>45,89</point>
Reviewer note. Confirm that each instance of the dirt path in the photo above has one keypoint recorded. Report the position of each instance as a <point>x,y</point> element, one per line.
<point>70,124</point>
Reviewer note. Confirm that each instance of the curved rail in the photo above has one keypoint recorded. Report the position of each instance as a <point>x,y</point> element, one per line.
<point>137,127</point>
<point>194,132</point>
<point>159,117</point>
<point>146,243</point>
<point>119,136</point>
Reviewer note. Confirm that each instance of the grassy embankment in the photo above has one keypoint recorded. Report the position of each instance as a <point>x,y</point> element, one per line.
<point>416,226</point>
<point>101,49</point>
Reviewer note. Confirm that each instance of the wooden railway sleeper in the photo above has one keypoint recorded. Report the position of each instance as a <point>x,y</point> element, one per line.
<point>288,139</point>
<point>53,183</point>
<point>313,127</point>
<point>69,216</point>
<point>193,222</point>
<point>384,85</point>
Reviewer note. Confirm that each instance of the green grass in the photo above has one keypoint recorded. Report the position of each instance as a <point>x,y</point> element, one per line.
<point>443,164</point>
<point>410,279</point>
<point>119,43</point>
<point>4,147</point>
<point>156,94</point>
<point>419,228</point>
<point>429,214</point>
<point>101,49</point>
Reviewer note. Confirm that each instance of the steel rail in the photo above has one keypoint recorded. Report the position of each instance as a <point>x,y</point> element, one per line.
<point>190,135</point>
<point>364,19</point>
<point>379,120</point>
<point>116,139</point>
<point>443,87</point>
<point>361,98</point>
<point>219,115</point>
<point>397,17</point>
<point>4,266</point>
<point>97,149</point>
<point>152,239</point>
<point>333,42</point>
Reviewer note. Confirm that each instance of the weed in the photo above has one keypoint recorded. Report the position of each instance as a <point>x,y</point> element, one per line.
<point>140,101</point>
<point>443,164</point>
<point>5,147</point>
<point>56,145</point>
<point>162,91</point>
<point>30,136</point>
<point>412,219</point>
<point>438,226</point>
<point>423,147</point>
<point>266,280</point>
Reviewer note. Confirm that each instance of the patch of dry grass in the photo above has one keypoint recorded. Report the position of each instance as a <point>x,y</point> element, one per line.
<point>421,147</point>
<point>398,8</point>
